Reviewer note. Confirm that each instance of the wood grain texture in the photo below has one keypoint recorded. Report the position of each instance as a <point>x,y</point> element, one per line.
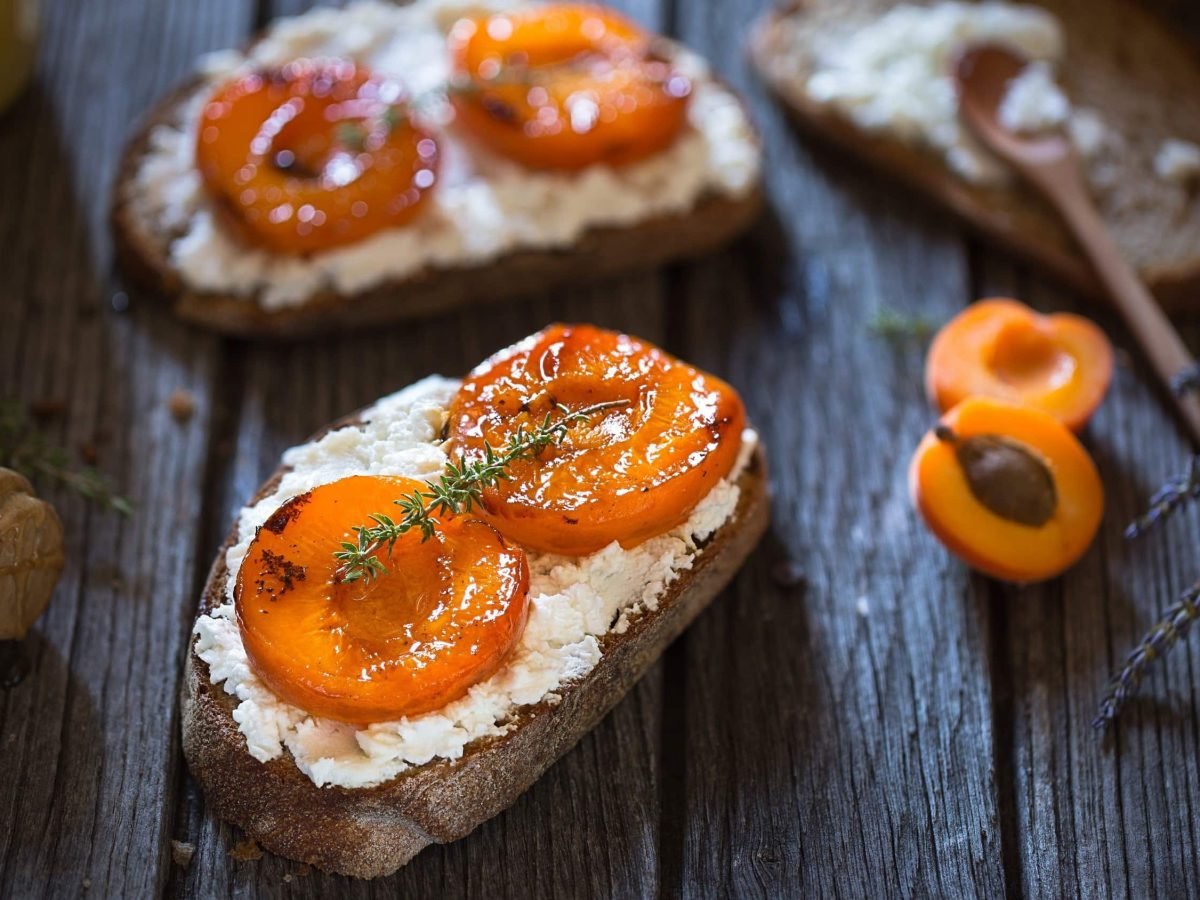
<point>857,716</point>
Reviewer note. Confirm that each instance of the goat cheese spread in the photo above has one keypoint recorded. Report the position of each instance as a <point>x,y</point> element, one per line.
<point>482,207</point>
<point>896,75</point>
<point>573,603</point>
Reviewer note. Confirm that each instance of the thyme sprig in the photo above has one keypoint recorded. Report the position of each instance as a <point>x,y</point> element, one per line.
<point>27,450</point>
<point>459,489</point>
<point>1157,642</point>
<point>1168,499</point>
<point>896,324</point>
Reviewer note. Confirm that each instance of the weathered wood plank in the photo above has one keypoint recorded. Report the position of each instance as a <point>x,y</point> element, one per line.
<point>1115,817</point>
<point>86,789</point>
<point>838,734</point>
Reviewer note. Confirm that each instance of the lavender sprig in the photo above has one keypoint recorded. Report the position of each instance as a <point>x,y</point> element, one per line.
<point>1168,498</point>
<point>1157,642</point>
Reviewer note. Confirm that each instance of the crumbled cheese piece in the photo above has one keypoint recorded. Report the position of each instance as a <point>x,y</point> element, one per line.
<point>1034,102</point>
<point>573,603</point>
<point>483,206</point>
<point>1178,162</point>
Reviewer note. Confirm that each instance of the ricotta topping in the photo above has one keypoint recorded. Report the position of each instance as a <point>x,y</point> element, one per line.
<point>573,603</point>
<point>1178,162</point>
<point>482,207</point>
<point>895,75</point>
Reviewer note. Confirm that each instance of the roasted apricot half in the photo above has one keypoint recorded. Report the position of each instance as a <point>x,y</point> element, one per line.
<point>1008,489</point>
<point>444,617</point>
<point>632,471</point>
<point>313,155</point>
<point>1061,363</point>
<point>564,86</point>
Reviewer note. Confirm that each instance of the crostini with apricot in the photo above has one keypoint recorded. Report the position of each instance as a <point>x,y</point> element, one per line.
<point>378,162</point>
<point>431,601</point>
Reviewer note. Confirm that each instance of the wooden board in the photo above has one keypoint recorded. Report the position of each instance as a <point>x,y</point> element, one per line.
<point>857,715</point>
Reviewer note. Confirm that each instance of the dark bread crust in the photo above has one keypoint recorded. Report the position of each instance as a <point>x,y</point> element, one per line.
<point>599,253</point>
<point>1017,217</point>
<point>374,831</point>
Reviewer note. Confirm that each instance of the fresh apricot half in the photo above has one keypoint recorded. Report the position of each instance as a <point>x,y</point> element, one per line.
<point>564,86</point>
<point>443,617</point>
<point>627,473</point>
<point>1008,489</point>
<point>313,155</point>
<point>1061,363</point>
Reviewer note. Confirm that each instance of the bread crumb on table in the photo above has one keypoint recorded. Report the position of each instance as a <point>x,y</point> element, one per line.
<point>182,404</point>
<point>246,851</point>
<point>182,853</point>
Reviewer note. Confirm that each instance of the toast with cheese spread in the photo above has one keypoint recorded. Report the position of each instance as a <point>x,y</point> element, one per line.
<point>358,792</point>
<point>492,229</point>
<point>1135,84</point>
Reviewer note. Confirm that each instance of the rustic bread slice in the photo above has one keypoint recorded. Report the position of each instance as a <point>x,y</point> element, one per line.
<point>1120,60</point>
<point>143,253</point>
<point>374,831</point>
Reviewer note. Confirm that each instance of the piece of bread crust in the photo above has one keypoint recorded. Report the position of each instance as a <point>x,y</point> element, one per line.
<point>600,252</point>
<point>1144,81</point>
<point>374,831</point>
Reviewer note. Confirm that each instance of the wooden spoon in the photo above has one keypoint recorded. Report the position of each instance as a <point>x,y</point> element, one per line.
<point>1050,164</point>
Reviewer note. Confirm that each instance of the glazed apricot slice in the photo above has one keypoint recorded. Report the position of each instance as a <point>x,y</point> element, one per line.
<point>625,474</point>
<point>313,155</point>
<point>1061,363</point>
<point>565,86</point>
<point>444,617</point>
<point>1008,489</point>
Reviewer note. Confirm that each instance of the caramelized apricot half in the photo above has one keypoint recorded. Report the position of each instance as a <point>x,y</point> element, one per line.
<point>625,474</point>
<point>1008,489</point>
<point>313,155</point>
<point>1061,363</point>
<point>444,617</point>
<point>564,86</point>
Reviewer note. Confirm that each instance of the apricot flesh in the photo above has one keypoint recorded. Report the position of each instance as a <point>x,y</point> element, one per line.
<point>1061,364</point>
<point>994,543</point>
<point>313,155</point>
<point>565,86</point>
<point>628,473</point>
<point>445,615</point>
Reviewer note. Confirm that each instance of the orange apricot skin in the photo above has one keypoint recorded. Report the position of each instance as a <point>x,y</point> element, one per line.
<point>995,546</point>
<point>517,87</point>
<point>334,194</point>
<point>444,617</point>
<point>1000,348</point>
<point>626,475</point>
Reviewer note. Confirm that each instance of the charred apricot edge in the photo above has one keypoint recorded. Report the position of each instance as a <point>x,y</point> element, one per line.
<point>444,617</point>
<point>996,544</point>
<point>626,474</point>
<point>1061,364</point>
<point>565,86</point>
<point>313,155</point>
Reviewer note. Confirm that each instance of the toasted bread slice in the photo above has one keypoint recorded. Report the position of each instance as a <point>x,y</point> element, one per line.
<point>369,832</point>
<point>143,251</point>
<point>1120,61</point>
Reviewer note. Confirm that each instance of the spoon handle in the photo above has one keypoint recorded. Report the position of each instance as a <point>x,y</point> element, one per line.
<point>1151,328</point>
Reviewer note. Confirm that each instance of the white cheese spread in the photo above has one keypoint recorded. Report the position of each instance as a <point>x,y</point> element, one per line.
<point>895,75</point>
<point>573,603</point>
<point>1178,162</point>
<point>482,207</point>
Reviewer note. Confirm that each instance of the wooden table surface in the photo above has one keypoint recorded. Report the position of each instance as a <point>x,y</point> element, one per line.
<point>858,715</point>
